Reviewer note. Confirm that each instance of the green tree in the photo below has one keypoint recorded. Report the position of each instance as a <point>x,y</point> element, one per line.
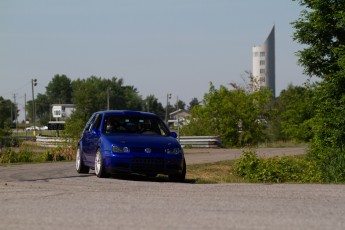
<point>321,29</point>
<point>238,116</point>
<point>42,108</point>
<point>42,111</point>
<point>179,105</point>
<point>295,112</point>
<point>131,98</point>
<point>92,94</point>
<point>151,104</point>
<point>194,102</point>
<point>59,90</point>
<point>5,116</point>
<point>89,96</point>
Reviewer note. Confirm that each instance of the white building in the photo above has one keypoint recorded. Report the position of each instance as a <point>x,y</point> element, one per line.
<point>62,111</point>
<point>264,64</point>
<point>179,117</point>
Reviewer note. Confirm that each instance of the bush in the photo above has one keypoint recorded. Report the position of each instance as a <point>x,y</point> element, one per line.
<point>277,169</point>
<point>61,154</point>
<point>331,162</point>
<point>26,154</point>
<point>10,156</point>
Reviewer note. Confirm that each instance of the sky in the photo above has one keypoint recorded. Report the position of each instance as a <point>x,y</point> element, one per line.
<point>157,46</point>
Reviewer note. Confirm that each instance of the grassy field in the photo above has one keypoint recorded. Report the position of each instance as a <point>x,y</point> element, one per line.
<point>211,173</point>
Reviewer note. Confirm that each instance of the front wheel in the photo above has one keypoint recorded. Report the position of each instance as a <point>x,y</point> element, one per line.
<point>180,177</point>
<point>79,163</point>
<point>99,165</point>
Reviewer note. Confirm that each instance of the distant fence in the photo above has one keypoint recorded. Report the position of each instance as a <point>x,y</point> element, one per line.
<point>185,141</point>
<point>200,141</point>
<point>51,141</point>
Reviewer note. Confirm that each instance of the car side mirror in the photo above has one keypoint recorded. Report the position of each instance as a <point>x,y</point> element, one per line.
<point>95,132</point>
<point>173,134</point>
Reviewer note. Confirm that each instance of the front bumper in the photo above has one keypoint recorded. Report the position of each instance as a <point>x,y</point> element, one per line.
<point>144,163</point>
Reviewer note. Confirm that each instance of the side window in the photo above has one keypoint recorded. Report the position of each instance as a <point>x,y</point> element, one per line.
<point>163,128</point>
<point>89,123</point>
<point>96,123</point>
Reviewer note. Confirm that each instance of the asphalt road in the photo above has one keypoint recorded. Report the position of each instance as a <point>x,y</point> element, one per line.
<point>54,196</point>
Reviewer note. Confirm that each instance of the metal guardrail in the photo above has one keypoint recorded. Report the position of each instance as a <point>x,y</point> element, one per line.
<point>51,141</point>
<point>185,141</point>
<point>200,141</point>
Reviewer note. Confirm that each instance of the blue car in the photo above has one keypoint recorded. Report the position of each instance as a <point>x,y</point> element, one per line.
<point>123,141</point>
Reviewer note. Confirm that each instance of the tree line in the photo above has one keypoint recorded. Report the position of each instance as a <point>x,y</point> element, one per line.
<point>93,94</point>
<point>241,117</point>
<point>88,95</point>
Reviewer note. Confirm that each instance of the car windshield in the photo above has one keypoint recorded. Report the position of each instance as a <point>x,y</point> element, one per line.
<point>134,124</point>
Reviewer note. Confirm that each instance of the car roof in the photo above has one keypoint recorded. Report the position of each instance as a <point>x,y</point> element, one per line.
<point>127,112</point>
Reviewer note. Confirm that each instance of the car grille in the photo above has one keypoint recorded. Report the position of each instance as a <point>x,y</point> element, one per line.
<point>146,164</point>
<point>142,150</point>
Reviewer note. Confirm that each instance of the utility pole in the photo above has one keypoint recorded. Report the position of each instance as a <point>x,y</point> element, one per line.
<point>11,115</point>
<point>108,95</point>
<point>33,83</point>
<point>26,132</point>
<point>15,111</point>
<point>178,119</point>
<point>166,108</point>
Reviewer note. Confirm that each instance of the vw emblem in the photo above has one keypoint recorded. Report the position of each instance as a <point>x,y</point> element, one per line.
<point>147,150</point>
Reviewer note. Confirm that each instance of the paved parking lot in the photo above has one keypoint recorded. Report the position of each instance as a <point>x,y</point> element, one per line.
<point>54,196</point>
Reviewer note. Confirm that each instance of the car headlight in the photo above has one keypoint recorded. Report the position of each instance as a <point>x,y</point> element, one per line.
<point>173,151</point>
<point>117,149</point>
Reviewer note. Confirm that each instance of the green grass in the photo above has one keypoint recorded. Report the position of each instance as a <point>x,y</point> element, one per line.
<point>282,144</point>
<point>213,173</point>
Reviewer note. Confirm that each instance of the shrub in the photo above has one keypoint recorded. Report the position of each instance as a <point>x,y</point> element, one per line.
<point>277,169</point>
<point>8,155</point>
<point>61,153</point>
<point>331,162</point>
<point>247,166</point>
<point>26,154</point>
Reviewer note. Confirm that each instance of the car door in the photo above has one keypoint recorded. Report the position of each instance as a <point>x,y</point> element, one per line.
<point>84,142</point>
<point>91,139</point>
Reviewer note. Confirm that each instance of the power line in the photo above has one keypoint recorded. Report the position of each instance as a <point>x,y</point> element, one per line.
<point>11,92</point>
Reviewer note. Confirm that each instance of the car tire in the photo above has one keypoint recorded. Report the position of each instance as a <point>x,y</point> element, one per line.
<point>180,177</point>
<point>79,163</point>
<point>99,165</point>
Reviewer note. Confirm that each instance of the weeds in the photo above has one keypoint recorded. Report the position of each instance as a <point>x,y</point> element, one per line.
<point>210,173</point>
<point>277,169</point>
<point>26,154</point>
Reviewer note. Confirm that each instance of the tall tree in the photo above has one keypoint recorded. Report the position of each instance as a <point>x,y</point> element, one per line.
<point>94,93</point>
<point>321,29</point>
<point>59,90</point>
<point>89,96</point>
<point>236,115</point>
<point>180,105</point>
<point>5,115</point>
<point>42,109</point>
<point>194,102</point>
<point>151,104</point>
<point>295,110</point>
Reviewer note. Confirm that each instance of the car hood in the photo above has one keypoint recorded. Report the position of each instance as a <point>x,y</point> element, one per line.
<point>152,141</point>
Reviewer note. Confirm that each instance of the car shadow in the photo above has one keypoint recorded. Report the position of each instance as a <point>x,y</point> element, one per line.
<point>140,177</point>
<point>47,179</point>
